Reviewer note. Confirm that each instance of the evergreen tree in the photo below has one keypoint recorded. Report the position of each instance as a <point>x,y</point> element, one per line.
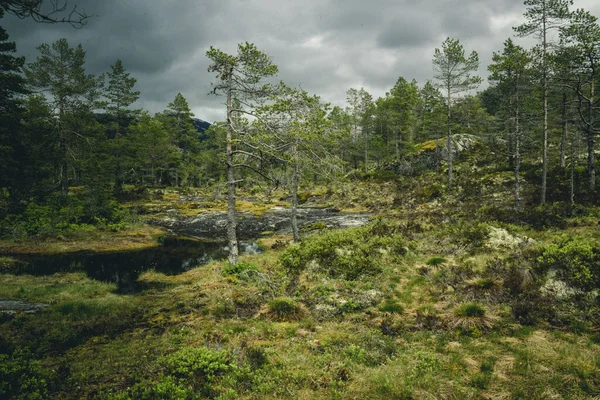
<point>120,95</point>
<point>511,74</point>
<point>59,71</point>
<point>241,79</point>
<point>453,71</point>
<point>582,38</point>
<point>177,119</point>
<point>13,153</point>
<point>542,17</point>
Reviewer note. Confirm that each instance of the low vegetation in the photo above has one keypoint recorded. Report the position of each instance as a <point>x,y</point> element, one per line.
<point>404,307</point>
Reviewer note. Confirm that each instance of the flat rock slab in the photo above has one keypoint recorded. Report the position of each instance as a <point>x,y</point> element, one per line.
<point>213,226</point>
<point>14,306</point>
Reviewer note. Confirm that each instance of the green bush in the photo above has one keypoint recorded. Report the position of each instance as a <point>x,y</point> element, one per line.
<point>22,377</point>
<point>165,388</point>
<point>347,253</point>
<point>199,367</point>
<point>239,269</point>
<point>576,261</point>
<point>72,214</point>
<point>542,216</point>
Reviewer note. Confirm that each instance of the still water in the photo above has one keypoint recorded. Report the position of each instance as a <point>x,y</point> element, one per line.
<point>123,268</point>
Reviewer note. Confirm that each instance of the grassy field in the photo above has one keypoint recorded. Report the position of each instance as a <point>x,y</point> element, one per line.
<point>410,306</point>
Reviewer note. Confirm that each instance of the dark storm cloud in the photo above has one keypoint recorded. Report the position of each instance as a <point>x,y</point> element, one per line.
<point>408,30</point>
<point>325,46</point>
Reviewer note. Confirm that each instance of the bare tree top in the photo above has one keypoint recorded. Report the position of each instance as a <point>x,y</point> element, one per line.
<point>46,11</point>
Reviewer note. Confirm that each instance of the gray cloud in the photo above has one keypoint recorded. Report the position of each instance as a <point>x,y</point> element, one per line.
<point>325,46</point>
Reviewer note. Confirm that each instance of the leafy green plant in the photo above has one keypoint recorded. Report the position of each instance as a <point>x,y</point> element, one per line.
<point>239,269</point>
<point>166,387</point>
<point>576,261</point>
<point>347,254</point>
<point>22,377</point>
<point>199,367</point>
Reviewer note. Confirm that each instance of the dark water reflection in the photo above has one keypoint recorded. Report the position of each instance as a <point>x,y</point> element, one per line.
<point>123,268</point>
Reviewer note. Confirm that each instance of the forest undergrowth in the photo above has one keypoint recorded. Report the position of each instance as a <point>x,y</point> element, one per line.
<point>444,294</point>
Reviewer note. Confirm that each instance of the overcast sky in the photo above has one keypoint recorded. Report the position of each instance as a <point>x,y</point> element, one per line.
<point>326,46</point>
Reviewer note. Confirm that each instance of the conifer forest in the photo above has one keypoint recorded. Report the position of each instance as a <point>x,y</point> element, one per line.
<point>440,240</point>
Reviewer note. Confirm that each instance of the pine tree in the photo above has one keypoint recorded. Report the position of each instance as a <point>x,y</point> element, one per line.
<point>453,71</point>
<point>120,95</point>
<point>59,71</point>
<point>177,119</point>
<point>241,79</point>
<point>13,153</point>
<point>542,17</point>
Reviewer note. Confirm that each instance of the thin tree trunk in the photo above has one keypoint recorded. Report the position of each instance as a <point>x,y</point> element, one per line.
<point>563,141</point>
<point>590,141</point>
<point>449,144</point>
<point>118,182</point>
<point>572,180</point>
<point>517,163</point>
<point>511,150</point>
<point>231,221</point>
<point>366,151</point>
<point>295,181</point>
<point>545,101</point>
<point>64,172</point>
<point>64,166</point>
<point>398,133</point>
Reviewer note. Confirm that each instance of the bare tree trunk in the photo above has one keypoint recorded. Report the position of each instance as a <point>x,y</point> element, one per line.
<point>64,166</point>
<point>545,100</point>
<point>590,141</point>
<point>449,143</point>
<point>398,133</point>
<point>118,190</point>
<point>366,151</point>
<point>64,172</point>
<point>572,180</point>
<point>295,181</point>
<point>517,163</point>
<point>511,150</point>
<point>545,146</point>
<point>231,221</point>
<point>563,141</point>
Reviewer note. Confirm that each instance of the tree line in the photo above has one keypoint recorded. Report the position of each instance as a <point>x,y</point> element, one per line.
<point>63,129</point>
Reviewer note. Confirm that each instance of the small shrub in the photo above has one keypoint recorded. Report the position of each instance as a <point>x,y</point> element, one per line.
<point>239,269</point>
<point>470,318</point>
<point>166,387</point>
<point>347,253</point>
<point>427,317</point>
<point>199,366</point>
<point>469,310</point>
<point>284,309</point>
<point>436,261</point>
<point>22,377</point>
<point>256,357</point>
<point>390,306</point>
<point>576,261</point>
<point>487,365</point>
<point>480,380</point>
<point>390,326</point>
